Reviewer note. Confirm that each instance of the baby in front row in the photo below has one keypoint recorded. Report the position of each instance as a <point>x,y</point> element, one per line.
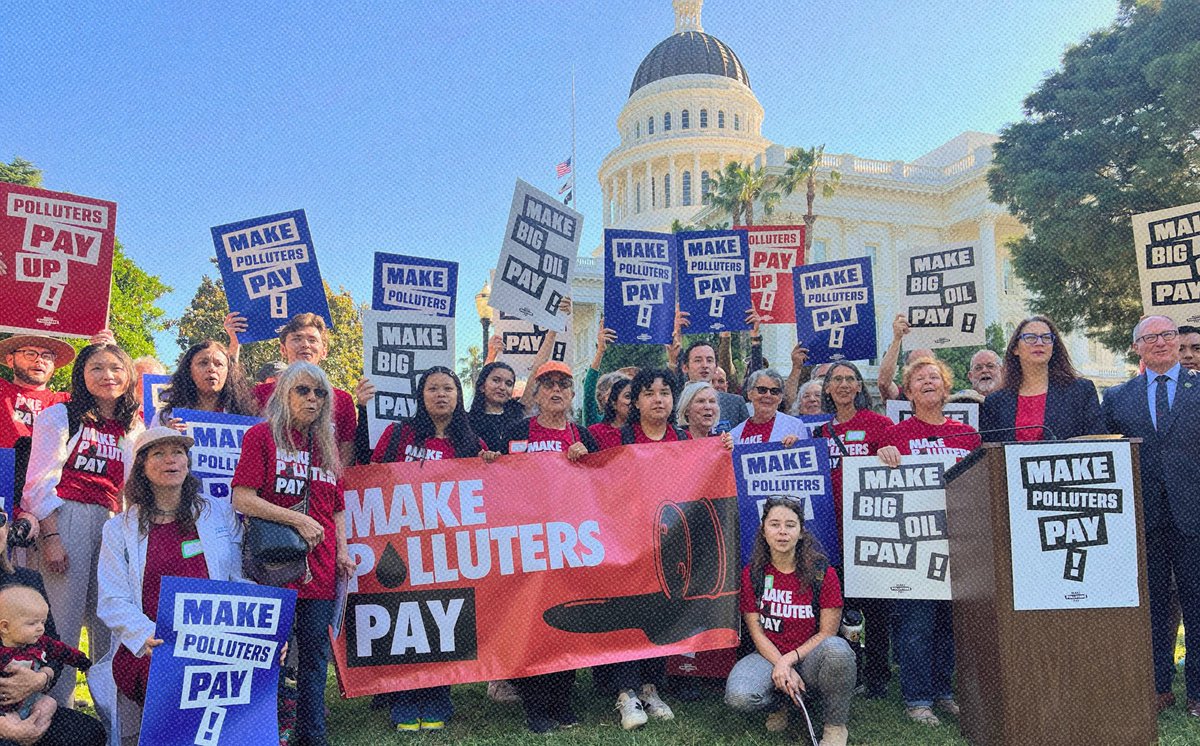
<point>23,613</point>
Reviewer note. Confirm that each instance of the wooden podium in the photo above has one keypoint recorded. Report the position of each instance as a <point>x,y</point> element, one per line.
<point>1071,676</point>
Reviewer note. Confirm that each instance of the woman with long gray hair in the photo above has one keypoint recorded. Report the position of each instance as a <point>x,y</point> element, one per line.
<point>290,473</point>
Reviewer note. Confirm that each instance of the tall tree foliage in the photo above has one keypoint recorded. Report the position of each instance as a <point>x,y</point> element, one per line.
<point>802,166</point>
<point>736,188</point>
<point>1110,134</point>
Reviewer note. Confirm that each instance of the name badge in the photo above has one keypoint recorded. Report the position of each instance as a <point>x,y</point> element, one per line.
<point>191,548</point>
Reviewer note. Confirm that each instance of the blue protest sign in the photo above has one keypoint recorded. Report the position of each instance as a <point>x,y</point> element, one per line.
<point>8,478</point>
<point>639,286</point>
<point>270,272</point>
<point>152,387</point>
<point>217,448</point>
<point>215,678</point>
<point>413,283</point>
<point>764,470</point>
<point>714,280</point>
<point>835,310</point>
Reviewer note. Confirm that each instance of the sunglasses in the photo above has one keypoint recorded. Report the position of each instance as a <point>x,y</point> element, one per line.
<point>302,390</point>
<point>772,390</point>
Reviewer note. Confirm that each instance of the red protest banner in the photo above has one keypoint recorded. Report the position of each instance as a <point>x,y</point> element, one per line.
<point>57,254</point>
<point>775,250</point>
<point>474,572</point>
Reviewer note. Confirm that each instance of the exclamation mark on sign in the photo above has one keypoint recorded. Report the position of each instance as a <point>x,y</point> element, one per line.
<point>1076,562</point>
<point>278,305</point>
<point>716,307</point>
<point>209,732</point>
<point>643,317</point>
<point>51,296</point>
<point>837,337</point>
<point>937,566</point>
<point>768,301</point>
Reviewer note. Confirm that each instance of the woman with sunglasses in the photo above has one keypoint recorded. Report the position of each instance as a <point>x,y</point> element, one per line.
<point>766,423</point>
<point>1041,396</point>
<point>791,602</point>
<point>290,473</point>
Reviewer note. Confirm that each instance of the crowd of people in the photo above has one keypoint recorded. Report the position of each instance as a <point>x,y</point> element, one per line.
<point>107,506</point>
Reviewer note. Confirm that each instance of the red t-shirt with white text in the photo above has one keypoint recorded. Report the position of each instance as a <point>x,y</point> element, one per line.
<point>279,478</point>
<point>785,607</point>
<point>919,438</point>
<point>756,432</point>
<point>861,434</point>
<point>94,471</point>
<point>20,406</point>
<point>435,449</point>
<point>546,439</point>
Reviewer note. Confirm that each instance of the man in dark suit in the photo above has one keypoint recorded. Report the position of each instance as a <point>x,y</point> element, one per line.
<point>1162,406</point>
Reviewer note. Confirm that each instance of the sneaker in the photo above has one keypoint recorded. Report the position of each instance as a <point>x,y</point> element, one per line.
<point>630,707</point>
<point>777,722</point>
<point>653,704</point>
<point>922,715</point>
<point>948,706</point>
<point>834,735</point>
<point>503,691</point>
<point>541,725</point>
<point>409,727</point>
<point>432,724</point>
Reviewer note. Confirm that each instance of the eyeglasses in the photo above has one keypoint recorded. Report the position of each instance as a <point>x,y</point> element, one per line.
<point>1167,336</point>
<point>558,383</point>
<point>765,390</point>
<point>3,519</point>
<point>32,355</point>
<point>843,379</point>
<point>986,366</point>
<point>302,391</point>
<point>1030,338</point>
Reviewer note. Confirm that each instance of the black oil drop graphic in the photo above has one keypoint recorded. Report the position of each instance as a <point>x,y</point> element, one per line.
<point>391,570</point>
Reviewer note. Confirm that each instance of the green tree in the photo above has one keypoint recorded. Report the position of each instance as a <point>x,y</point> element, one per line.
<point>21,171</point>
<point>468,371</point>
<point>1109,135</point>
<point>959,358</point>
<point>802,168</point>
<point>736,188</point>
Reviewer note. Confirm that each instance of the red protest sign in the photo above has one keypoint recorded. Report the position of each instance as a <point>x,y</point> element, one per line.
<point>775,250</point>
<point>475,572</point>
<point>57,254</point>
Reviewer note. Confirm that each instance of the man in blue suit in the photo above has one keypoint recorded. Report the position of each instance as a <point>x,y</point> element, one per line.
<point>1162,406</point>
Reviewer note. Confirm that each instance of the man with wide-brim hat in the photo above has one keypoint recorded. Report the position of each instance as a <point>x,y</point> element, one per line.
<point>33,359</point>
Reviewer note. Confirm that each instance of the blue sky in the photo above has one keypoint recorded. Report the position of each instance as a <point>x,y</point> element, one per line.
<point>402,126</point>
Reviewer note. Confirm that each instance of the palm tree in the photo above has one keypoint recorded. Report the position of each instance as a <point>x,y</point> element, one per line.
<point>802,168</point>
<point>738,187</point>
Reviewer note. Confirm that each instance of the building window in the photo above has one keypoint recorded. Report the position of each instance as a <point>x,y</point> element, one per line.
<point>637,129</point>
<point>818,252</point>
<point>872,253</point>
<point>720,120</point>
<point>704,187</point>
<point>653,193</point>
<point>637,203</point>
<point>686,196</point>
<point>1010,280</point>
<point>650,126</point>
<point>737,122</point>
<point>685,120</point>
<point>667,122</point>
<point>666,190</point>
<point>704,119</point>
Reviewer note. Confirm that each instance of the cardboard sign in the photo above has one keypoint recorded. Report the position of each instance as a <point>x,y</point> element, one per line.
<point>458,581</point>
<point>775,250</point>
<point>714,280</point>
<point>270,272</point>
<point>152,388</point>
<point>413,283</point>
<point>835,310</point>
<point>522,340</point>
<point>57,251</point>
<point>899,410</point>
<point>1073,525</point>
<point>940,296</point>
<point>639,286</point>
<point>217,448</point>
<point>537,259</point>
<point>215,678</point>
<point>1167,245</point>
<point>398,346</point>
<point>895,528</point>
<point>801,472</point>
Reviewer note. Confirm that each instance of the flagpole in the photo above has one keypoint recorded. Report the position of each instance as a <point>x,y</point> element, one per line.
<point>574,160</point>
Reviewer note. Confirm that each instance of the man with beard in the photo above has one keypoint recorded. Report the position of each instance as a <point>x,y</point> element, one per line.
<point>984,375</point>
<point>32,359</point>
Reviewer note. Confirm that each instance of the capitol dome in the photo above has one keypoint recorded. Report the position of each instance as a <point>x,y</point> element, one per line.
<point>689,53</point>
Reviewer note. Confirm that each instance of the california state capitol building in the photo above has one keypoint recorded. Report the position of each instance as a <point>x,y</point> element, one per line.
<point>691,110</point>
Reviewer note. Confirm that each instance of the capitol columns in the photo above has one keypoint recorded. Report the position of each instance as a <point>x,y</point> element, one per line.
<point>648,192</point>
<point>629,205</point>
<point>987,268</point>
<point>697,187</point>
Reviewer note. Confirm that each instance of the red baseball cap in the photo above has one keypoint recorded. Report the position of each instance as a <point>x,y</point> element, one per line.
<point>553,366</point>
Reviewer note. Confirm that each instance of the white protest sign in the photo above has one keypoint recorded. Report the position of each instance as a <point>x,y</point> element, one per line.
<point>966,412</point>
<point>537,259</point>
<point>522,340</point>
<point>940,297</point>
<point>1073,526</point>
<point>895,528</point>
<point>398,346</point>
<point>1167,244</point>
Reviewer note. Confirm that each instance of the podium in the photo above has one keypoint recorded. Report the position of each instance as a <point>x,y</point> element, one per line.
<point>1046,676</point>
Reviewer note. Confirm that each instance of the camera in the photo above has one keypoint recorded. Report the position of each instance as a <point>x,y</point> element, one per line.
<point>18,533</point>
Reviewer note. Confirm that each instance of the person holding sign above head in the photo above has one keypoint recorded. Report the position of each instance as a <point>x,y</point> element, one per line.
<point>206,380</point>
<point>616,410</point>
<point>697,409</point>
<point>924,632</point>
<point>767,424</point>
<point>78,461</point>
<point>1162,407</point>
<point>168,528</point>
<point>791,601</point>
<point>888,390</point>
<point>1040,387</point>
<point>290,473</point>
<point>547,698</point>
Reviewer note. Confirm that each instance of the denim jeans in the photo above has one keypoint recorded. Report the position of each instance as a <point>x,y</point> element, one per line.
<point>431,704</point>
<point>310,630</point>
<point>924,644</point>
<point>828,670</point>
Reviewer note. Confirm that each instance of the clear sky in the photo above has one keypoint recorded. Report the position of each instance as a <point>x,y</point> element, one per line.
<point>401,126</point>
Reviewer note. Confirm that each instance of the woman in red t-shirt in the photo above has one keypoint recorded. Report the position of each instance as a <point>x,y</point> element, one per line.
<point>289,472</point>
<point>616,412</point>
<point>924,632</point>
<point>169,528</point>
<point>78,461</point>
<point>698,409</point>
<point>796,642</point>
